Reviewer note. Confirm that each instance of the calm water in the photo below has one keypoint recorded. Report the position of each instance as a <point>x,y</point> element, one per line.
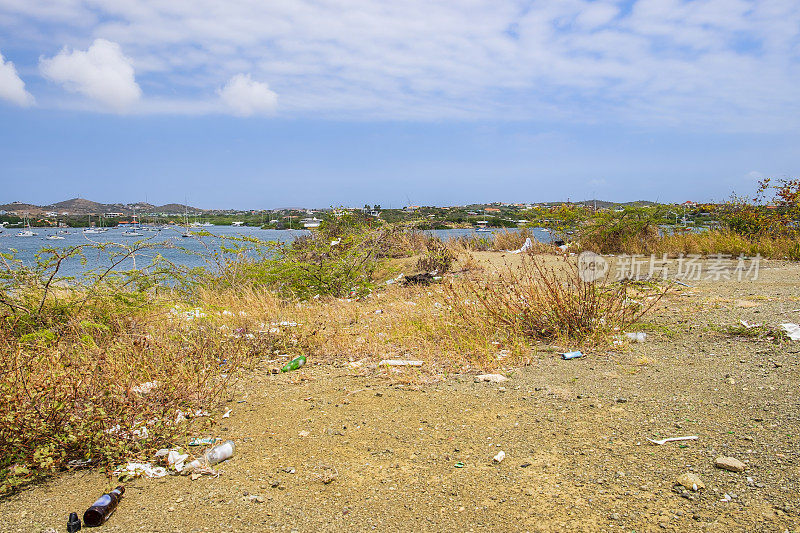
<point>177,249</point>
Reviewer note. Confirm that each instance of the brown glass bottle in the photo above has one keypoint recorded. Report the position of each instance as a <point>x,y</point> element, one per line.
<point>100,510</point>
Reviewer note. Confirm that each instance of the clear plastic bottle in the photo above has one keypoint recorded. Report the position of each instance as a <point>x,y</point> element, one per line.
<point>215,455</point>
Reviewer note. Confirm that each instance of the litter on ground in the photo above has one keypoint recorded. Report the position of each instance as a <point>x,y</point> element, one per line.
<point>400,362</point>
<point>672,439</point>
<point>792,331</point>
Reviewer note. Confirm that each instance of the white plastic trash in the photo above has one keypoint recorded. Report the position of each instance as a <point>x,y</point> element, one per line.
<point>638,336</point>
<point>792,331</point>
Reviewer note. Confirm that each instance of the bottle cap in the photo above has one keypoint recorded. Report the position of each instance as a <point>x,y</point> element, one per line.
<point>74,523</point>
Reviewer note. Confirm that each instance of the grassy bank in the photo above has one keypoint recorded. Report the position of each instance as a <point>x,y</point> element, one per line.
<point>116,364</point>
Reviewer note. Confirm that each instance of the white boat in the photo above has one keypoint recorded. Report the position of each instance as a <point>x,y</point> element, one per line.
<point>482,226</point>
<point>186,233</point>
<point>92,230</point>
<point>312,222</point>
<point>55,237</point>
<point>26,231</point>
<point>132,233</point>
<point>207,224</point>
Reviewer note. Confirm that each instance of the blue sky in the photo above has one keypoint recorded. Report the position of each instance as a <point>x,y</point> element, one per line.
<point>253,104</point>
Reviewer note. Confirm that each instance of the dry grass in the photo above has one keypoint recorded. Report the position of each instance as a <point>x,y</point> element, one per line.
<point>724,242</point>
<point>395,322</point>
<point>707,243</point>
<point>547,300</point>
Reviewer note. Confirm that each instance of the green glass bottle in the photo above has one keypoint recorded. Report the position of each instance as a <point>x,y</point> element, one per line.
<point>294,364</point>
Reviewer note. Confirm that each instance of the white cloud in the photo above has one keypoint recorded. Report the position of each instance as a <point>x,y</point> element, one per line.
<point>12,88</point>
<point>721,64</point>
<point>246,97</point>
<point>102,73</point>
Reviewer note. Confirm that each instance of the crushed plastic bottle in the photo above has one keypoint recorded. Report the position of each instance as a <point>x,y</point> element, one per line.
<point>215,455</point>
<point>571,355</point>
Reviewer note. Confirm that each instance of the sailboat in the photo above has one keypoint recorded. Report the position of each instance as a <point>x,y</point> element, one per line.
<point>27,231</point>
<point>186,232</point>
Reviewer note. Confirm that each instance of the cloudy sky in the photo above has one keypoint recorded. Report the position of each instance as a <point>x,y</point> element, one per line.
<point>252,103</point>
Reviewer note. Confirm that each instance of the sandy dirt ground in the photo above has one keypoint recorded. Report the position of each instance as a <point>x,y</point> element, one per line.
<point>574,435</point>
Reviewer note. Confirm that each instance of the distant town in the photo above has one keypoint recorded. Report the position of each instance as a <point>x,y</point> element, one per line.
<point>80,212</point>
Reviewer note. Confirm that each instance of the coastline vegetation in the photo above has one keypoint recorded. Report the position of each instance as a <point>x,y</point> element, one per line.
<point>114,364</point>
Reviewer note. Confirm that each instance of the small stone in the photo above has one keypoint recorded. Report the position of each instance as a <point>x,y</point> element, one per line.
<point>304,433</point>
<point>691,481</point>
<point>614,516</point>
<point>499,457</point>
<point>730,464</point>
<point>622,400</point>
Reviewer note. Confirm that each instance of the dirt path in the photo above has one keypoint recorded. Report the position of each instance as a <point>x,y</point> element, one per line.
<point>574,434</point>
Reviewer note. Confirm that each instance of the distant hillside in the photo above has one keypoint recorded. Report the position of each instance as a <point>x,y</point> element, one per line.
<point>81,206</point>
<point>19,206</point>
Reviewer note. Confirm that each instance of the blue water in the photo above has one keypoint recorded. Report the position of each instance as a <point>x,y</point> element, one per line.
<point>187,252</point>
